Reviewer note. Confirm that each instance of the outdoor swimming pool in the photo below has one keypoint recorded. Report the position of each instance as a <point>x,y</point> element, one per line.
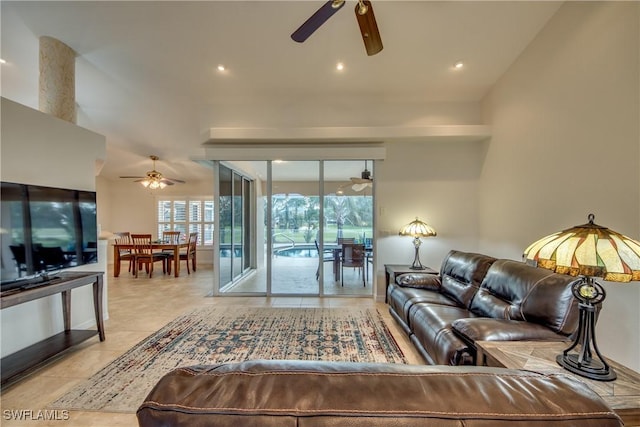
<point>300,251</point>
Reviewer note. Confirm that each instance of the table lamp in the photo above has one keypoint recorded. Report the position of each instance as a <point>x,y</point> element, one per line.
<point>588,251</point>
<point>417,229</point>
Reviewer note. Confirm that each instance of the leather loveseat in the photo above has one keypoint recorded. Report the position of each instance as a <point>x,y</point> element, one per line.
<point>480,298</point>
<point>277,393</point>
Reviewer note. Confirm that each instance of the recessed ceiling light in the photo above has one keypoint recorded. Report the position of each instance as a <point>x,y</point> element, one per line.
<point>2,61</point>
<point>458,65</point>
<point>339,66</point>
<point>221,67</point>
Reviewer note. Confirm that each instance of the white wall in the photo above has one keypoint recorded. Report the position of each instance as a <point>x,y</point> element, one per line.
<point>436,181</point>
<point>566,143</point>
<point>42,150</point>
<point>128,206</point>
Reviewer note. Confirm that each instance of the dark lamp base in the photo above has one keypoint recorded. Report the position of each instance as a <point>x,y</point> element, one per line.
<point>593,369</point>
<point>418,267</point>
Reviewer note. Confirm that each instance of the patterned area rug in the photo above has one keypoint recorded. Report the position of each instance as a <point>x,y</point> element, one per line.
<point>214,334</point>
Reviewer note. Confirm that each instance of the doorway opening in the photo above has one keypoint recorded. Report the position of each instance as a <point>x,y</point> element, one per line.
<point>305,214</point>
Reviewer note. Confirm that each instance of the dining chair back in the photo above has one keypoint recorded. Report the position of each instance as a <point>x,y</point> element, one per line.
<point>172,237</point>
<point>20,257</point>
<point>143,254</point>
<point>189,255</point>
<point>353,255</point>
<point>124,238</point>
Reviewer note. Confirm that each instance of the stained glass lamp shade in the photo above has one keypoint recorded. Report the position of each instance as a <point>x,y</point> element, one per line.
<point>417,229</point>
<point>588,251</point>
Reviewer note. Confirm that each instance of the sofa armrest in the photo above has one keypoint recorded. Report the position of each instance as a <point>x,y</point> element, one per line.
<point>419,280</point>
<point>489,329</point>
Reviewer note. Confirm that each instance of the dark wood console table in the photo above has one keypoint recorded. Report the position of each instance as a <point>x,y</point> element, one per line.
<point>22,361</point>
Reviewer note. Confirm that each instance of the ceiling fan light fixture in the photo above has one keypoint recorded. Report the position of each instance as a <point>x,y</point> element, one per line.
<point>154,179</point>
<point>153,183</point>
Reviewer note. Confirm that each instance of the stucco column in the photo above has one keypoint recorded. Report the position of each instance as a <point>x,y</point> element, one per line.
<point>57,91</point>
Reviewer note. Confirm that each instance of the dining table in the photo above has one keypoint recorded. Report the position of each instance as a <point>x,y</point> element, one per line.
<point>156,245</point>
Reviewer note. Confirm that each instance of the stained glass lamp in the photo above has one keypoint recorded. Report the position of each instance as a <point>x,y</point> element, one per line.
<point>417,229</point>
<point>588,251</point>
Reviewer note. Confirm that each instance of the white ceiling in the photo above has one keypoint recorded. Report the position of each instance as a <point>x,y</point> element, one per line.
<point>146,74</point>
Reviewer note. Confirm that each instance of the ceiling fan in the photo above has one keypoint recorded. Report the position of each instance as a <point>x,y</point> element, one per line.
<point>365,180</point>
<point>154,179</point>
<point>364,15</point>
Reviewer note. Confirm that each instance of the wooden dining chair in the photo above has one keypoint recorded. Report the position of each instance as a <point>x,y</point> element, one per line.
<point>353,256</point>
<point>143,254</point>
<point>171,237</point>
<point>124,238</point>
<point>189,255</point>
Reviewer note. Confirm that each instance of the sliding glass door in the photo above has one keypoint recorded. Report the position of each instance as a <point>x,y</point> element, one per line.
<point>347,218</point>
<point>282,233</point>
<point>294,227</point>
<point>235,226</point>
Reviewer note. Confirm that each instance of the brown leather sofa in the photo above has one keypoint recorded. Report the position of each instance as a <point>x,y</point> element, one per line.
<point>329,394</point>
<point>480,298</point>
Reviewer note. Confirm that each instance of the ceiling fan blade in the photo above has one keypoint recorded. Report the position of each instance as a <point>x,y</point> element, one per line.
<point>166,181</point>
<point>359,187</point>
<point>361,180</point>
<point>175,180</point>
<point>316,20</point>
<point>369,28</point>
<point>136,177</point>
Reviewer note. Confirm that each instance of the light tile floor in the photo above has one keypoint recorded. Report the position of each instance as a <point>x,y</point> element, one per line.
<point>297,276</point>
<point>137,308</point>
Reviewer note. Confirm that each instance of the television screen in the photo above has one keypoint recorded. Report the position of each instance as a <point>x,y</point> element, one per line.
<point>45,229</point>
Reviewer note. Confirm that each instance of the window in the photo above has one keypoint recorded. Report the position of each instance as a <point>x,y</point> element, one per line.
<point>187,216</point>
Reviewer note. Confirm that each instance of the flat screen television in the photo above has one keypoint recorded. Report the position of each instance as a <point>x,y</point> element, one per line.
<point>43,230</point>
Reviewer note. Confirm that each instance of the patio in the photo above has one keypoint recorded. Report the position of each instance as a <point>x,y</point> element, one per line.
<point>297,276</point>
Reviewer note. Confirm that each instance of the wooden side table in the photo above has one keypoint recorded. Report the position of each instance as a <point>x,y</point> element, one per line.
<point>622,394</point>
<point>393,270</point>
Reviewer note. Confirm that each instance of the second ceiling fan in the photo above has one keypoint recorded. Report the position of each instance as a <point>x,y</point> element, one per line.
<point>364,15</point>
<point>365,180</point>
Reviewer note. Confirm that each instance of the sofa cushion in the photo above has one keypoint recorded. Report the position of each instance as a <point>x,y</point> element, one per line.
<point>431,326</point>
<point>462,273</point>
<point>401,299</point>
<point>486,329</point>
<point>517,291</point>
